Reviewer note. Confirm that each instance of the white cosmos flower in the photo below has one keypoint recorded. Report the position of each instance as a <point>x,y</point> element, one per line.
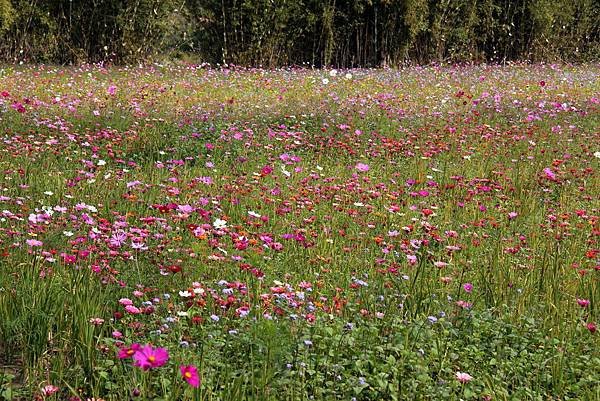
<point>220,224</point>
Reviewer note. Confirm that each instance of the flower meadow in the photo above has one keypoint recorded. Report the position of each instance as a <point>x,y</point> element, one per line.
<point>181,232</point>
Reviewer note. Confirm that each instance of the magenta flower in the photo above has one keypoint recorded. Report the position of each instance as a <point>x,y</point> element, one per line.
<point>128,352</point>
<point>591,326</point>
<point>190,375</point>
<point>584,303</point>
<point>149,357</point>
<point>549,174</point>
<point>468,287</point>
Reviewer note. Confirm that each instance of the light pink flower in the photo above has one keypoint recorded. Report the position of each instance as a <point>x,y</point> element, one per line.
<point>34,242</point>
<point>134,310</point>
<point>463,377</point>
<point>49,390</point>
<point>362,167</point>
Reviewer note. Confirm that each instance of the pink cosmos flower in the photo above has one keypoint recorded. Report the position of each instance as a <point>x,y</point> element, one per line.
<point>134,310</point>
<point>591,326</point>
<point>190,375</point>
<point>464,304</point>
<point>584,303</point>
<point>549,174</point>
<point>185,209</point>
<point>49,390</point>
<point>125,301</point>
<point>18,107</point>
<point>468,287</point>
<point>362,167</point>
<point>96,321</point>
<point>34,242</point>
<point>128,352</point>
<point>132,184</point>
<point>463,377</point>
<point>111,90</point>
<point>149,357</point>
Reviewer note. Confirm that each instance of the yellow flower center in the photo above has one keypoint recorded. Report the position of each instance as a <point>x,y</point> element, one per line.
<point>151,358</point>
<point>188,375</point>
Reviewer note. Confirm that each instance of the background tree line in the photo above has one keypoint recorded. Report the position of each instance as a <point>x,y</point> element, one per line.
<point>287,32</point>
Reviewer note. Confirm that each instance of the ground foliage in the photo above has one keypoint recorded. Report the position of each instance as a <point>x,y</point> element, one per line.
<point>422,233</point>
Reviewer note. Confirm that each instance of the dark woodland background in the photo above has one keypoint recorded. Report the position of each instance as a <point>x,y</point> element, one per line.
<point>270,33</point>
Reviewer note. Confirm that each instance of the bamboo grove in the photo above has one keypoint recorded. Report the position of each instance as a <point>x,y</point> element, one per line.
<point>270,33</point>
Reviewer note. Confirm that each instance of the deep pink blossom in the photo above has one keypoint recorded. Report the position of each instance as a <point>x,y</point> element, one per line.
<point>549,174</point>
<point>584,303</point>
<point>190,375</point>
<point>149,357</point>
<point>128,352</point>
